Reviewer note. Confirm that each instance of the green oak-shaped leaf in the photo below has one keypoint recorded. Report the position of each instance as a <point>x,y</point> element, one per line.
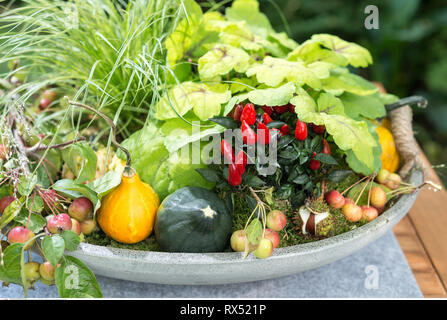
<point>367,106</point>
<point>328,103</point>
<point>283,40</point>
<point>191,38</point>
<point>341,80</point>
<point>274,71</point>
<point>221,59</point>
<point>236,34</point>
<point>330,48</point>
<point>348,133</point>
<point>205,100</point>
<point>273,96</point>
<point>248,11</point>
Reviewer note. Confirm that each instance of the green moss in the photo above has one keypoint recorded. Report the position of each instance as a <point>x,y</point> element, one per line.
<point>101,239</point>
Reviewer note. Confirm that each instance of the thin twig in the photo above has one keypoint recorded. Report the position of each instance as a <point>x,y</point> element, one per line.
<point>60,145</point>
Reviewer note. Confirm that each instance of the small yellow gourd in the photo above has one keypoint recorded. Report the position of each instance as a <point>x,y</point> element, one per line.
<point>127,213</point>
<point>390,157</point>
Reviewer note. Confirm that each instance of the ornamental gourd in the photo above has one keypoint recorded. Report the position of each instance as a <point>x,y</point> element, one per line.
<point>390,157</point>
<point>127,213</point>
<point>193,219</point>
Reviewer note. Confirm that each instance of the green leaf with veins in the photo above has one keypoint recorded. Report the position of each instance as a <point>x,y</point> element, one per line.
<point>367,106</point>
<point>10,264</point>
<point>11,212</point>
<point>273,96</point>
<point>348,133</point>
<point>241,85</point>
<point>248,11</point>
<point>330,104</point>
<point>222,59</point>
<point>83,153</point>
<point>180,133</point>
<point>36,221</point>
<point>341,80</point>
<point>275,71</point>
<point>53,248</point>
<point>103,185</point>
<point>205,100</point>
<point>236,33</point>
<point>75,280</point>
<point>321,69</point>
<point>330,48</point>
<point>283,40</point>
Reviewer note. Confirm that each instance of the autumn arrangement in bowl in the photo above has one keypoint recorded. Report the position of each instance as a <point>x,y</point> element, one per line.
<point>160,137</point>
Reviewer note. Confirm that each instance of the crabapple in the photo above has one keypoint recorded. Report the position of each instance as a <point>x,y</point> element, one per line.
<point>5,202</point>
<point>276,220</point>
<point>264,249</point>
<point>21,235</point>
<point>369,213</point>
<point>335,199</point>
<point>352,212</point>
<point>394,181</point>
<point>382,176</point>
<point>378,197</point>
<point>32,271</point>
<point>80,209</point>
<point>273,236</point>
<point>59,223</point>
<point>46,271</point>
<point>76,226</point>
<point>88,226</point>
<point>237,241</point>
<point>44,103</point>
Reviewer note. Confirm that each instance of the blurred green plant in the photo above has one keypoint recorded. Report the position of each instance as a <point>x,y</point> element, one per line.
<point>409,51</point>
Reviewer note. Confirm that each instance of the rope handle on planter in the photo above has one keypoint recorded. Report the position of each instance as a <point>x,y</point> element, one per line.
<point>401,117</point>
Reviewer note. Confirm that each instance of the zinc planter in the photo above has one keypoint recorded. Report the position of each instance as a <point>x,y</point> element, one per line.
<point>224,268</point>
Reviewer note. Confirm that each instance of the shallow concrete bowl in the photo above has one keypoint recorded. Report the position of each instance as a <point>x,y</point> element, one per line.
<point>223,268</point>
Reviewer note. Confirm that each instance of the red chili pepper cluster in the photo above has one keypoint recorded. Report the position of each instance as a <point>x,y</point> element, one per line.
<point>246,115</point>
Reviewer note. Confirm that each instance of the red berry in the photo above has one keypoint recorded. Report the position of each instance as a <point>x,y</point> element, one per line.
<point>268,110</point>
<point>285,130</point>
<point>301,130</point>
<point>227,150</point>
<point>237,112</point>
<point>326,148</point>
<point>248,135</point>
<point>249,114</point>
<point>291,108</point>
<point>266,118</point>
<point>314,164</point>
<point>281,109</point>
<point>241,162</point>
<point>234,176</point>
<point>318,129</point>
<point>263,134</point>
<point>44,103</point>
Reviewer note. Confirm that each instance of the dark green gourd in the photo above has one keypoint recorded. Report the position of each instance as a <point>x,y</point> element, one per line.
<point>193,219</point>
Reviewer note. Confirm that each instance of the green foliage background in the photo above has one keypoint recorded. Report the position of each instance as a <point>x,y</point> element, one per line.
<point>409,51</point>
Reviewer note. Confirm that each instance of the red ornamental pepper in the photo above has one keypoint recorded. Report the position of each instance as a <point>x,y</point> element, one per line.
<point>234,176</point>
<point>280,134</point>
<point>326,148</point>
<point>249,114</point>
<point>241,162</point>
<point>248,135</point>
<point>268,110</point>
<point>263,134</point>
<point>291,108</point>
<point>281,109</point>
<point>314,164</point>
<point>236,112</point>
<point>266,118</point>
<point>301,130</point>
<point>285,130</point>
<point>318,129</point>
<point>227,150</point>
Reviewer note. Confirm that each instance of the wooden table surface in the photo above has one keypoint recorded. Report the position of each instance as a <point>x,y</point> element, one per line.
<point>422,235</point>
